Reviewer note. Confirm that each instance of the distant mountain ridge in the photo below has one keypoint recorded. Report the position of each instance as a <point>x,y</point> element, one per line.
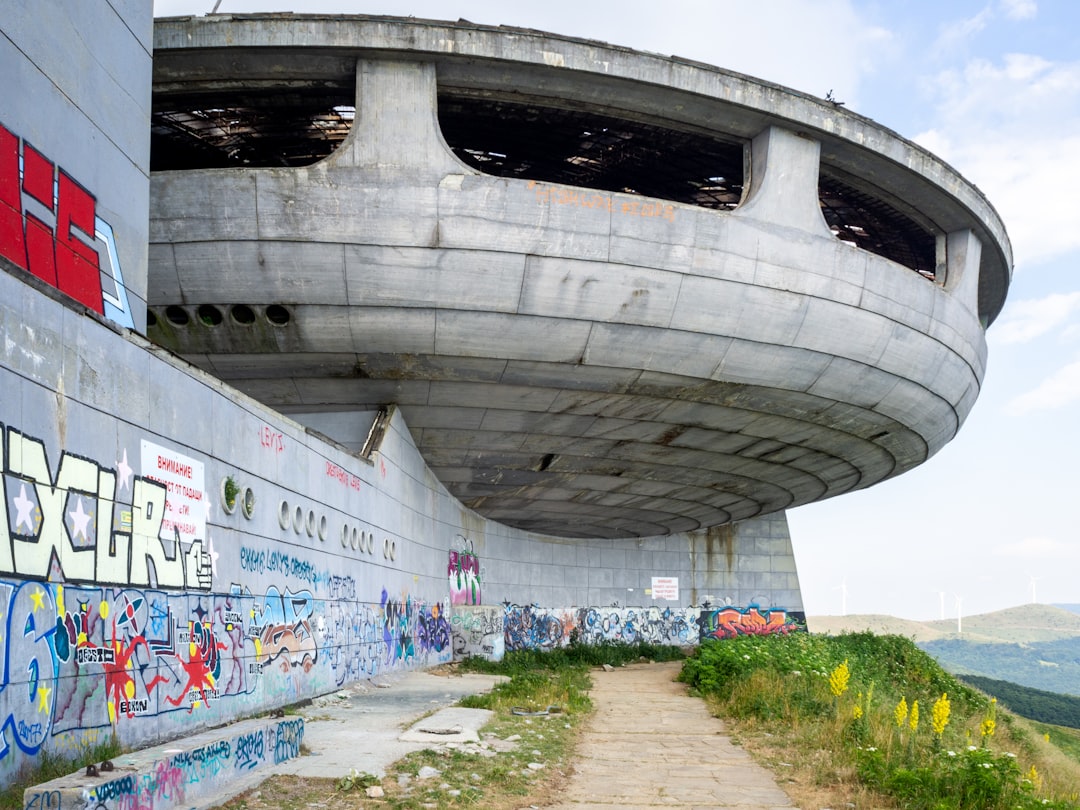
<point>1033,645</point>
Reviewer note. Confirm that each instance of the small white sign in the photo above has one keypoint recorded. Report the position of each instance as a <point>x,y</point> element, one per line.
<point>185,498</point>
<point>665,588</point>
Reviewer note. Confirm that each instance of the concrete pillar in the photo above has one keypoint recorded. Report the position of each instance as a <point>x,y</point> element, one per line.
<point>396,124</point>
<point>784,181</point>
<point>963,253</point>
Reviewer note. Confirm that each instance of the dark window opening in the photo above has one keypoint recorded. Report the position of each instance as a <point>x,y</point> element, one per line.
<point>248,128</point>
<point>577,148</point>
<point>871,224</point>
<point>209,315</point>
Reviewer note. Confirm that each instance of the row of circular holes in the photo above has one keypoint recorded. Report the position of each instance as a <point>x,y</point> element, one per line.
<point>210,315</point>
<point>360,541</point>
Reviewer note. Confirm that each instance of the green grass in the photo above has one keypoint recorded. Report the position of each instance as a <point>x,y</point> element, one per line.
<point>49,766</point>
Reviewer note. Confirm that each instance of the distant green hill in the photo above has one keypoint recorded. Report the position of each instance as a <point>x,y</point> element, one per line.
<point>1036,646</point>
<point>1035,704</point>
<point>1053,666</point>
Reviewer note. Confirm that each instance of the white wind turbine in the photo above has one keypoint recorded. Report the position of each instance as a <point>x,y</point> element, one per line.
<point>1033,579</point>
<point>959,617</point>
<point>842,587</point>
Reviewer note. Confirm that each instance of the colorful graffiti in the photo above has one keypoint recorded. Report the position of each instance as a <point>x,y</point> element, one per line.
<point>90,523</point>
<point>413,632</point>
<point>729,622</point>
<point>533,627</point>
<point>50,228</point>
<point>530,627</point>
<point>463,572</point>
<point>185,775</point>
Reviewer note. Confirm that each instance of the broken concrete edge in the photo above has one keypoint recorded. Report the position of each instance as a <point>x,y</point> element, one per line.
<point>178,772</point>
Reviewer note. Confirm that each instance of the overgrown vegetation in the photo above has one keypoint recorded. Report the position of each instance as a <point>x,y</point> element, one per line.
<point>1034,704</point>
<point>877,721</point>
<point>49,766</point>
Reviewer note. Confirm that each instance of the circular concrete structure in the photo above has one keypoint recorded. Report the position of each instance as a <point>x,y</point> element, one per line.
<point>612,293</point>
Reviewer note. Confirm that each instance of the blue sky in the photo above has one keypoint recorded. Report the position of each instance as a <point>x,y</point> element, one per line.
<point>993,88</point>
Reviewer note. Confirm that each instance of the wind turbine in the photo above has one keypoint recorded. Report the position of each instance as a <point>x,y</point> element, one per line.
<point>959,618</point>
<point>1033,579</point>
<point>842,587</point>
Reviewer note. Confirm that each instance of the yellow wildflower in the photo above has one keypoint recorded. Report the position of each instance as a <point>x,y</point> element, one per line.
<point>989,724</point>
<point>838,680</point>
<point>1034,778</point>
<point>900,712</point>
<point>914,715</point>
<point>939,715</point>
<point>856,712</point>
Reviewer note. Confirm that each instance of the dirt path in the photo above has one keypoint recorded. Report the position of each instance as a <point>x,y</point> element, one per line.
<point>650,745</point>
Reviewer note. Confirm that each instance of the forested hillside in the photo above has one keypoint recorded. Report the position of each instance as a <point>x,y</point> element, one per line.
<point>1035,704</point>
<point>1052,666</point>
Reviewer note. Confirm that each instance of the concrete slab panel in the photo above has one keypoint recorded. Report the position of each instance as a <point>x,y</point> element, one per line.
<point>598,291</point>
<point>425,277</point>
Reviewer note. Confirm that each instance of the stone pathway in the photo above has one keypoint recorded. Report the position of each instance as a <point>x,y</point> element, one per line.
<point>650,745</point>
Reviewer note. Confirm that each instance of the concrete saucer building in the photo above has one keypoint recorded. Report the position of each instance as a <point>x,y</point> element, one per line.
<point>612,294</point>
<point>341,345</point>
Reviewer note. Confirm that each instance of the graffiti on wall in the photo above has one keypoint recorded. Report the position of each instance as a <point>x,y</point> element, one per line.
<point>532,627</point>
<point>185,775</point>
<point>478,630</point>
<point>729,622</point>
<point>85,522</point>
<point>463,573</point>
<point>50,228</point>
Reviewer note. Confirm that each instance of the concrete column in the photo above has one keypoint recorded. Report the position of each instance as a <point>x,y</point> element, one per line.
<point>784,181</point>
<point>396,124</point>
<point>963,252</point>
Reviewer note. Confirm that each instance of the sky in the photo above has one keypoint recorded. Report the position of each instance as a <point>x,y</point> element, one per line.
<point>993,88</point>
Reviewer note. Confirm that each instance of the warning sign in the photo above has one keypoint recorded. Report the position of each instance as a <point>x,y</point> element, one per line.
<point>665,588</point>
<point>185,495</point>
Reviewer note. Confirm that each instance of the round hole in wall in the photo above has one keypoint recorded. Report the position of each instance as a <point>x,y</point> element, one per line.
<point>371,543</point>
<point>283,514</point>
<point>277,315</point>
<point>242,314</point>
<point>298,519</point>
<point>209,315</point>
<point>151,318</point>
<point>355,538</point>
<point>177,315</point>
<point>386,547</point>
<point>322,528</point>
<point>247,502</point>
<point>309,524</point>
<point>393,550</point>
<point>345,535</point>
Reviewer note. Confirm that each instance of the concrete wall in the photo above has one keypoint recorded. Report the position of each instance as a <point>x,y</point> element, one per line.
<point>134,603</point>
<point>77,96</point>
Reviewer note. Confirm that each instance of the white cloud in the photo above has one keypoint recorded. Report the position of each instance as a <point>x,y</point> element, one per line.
<point>1057,391</point>
<point>1013,127</point>
<point>1019,9</point>
<point>1026,320</point>
<point>1037,547</point>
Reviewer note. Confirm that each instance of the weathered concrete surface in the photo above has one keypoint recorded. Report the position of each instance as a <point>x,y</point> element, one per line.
<point>691,762</point>
<point>573,361</point>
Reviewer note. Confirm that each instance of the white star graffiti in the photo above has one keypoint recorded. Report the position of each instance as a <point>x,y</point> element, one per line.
<point>24,507</point>
<point>125,471</point>
<point>79,520</point>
